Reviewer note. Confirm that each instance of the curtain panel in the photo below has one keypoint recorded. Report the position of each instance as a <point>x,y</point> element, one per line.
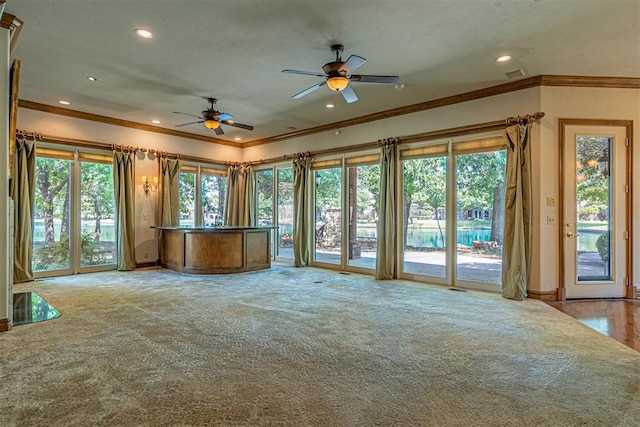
<point>240,200</point>
<point>169,207</point>
<point>386,230</point>
<point>301,211</point>
<point>23,194</point>
<point>124,215</point>
<point>516,252</point>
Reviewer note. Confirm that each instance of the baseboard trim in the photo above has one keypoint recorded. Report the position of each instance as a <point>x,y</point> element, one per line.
<point>4,325</point>
<point>147,264</point>
<point>543,295</point>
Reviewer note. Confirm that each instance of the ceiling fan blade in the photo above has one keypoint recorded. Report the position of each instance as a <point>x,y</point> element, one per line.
<point>349,95</point>
<point>306,73</point>
<point>309,90</point>
<point>362,78</point>
<point>238,125</point>
<point>219,130</point>
<point>187,114</point>
<point>224,117</point>
<point>352,63</point>
<point>187,124</point>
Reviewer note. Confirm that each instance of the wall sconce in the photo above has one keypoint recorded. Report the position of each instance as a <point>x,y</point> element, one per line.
<point>146,186</point>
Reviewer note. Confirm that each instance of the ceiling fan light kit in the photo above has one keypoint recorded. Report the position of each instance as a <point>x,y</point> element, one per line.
<point>337,83</point>
<point>339,74</point>
<point>211,124</point>
<point>212,119</point>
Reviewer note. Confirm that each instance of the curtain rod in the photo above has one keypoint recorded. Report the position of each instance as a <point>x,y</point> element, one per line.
<point>420,137</point>
<point>82,143</point>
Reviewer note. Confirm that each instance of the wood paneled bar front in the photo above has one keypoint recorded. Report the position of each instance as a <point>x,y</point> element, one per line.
<point>218,250</point>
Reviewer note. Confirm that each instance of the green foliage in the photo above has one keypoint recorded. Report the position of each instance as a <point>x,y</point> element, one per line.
<point>602,244</point>
<point>264,194</point>
<point>97,190</point>
<point>186,194</point>
<point>55,255</point>
<point>592,188</point>
<point>478,175</point>
<point>425,183</point>
<point>368,186</point>
<point>328,185</point>
<point>285,186</point>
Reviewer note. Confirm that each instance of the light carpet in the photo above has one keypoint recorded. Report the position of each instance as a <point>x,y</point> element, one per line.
<point>305,347</point>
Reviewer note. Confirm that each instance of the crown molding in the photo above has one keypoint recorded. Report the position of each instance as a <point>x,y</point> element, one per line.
<point>119,122</point>
<point>531,82</point>
<point>11,23</point>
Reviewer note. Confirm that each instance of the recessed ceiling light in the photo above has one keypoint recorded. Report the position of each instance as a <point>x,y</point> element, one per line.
<point>143,33</point>
<point>64,102</point>
<point>157,122</point>
<point>237,138</point>
<point>330,105</point>
<point>503,58</point>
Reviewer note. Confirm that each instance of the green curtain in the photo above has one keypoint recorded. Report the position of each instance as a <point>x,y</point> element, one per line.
<point>23,195</point>
<point>125,202</point>
<point>386,230</point>
<point>516,252</point>
<point>169,207</point>
<point>240,200</point>
<point>301,220</point>
<point>249,204</point>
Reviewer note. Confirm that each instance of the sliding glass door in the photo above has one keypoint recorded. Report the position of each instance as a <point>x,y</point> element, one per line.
<point>424,216</point>
<point>453,212</point>
<point>74,213</point>
<point>480,190</point>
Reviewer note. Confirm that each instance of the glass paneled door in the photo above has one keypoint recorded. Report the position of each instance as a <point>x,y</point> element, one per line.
<point>594,232</point>
<point>74,213</point>
<point>52,218</point>
<point>328,215</point>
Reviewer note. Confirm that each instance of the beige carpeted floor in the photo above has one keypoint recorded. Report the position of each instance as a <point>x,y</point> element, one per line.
<point>305,347</point>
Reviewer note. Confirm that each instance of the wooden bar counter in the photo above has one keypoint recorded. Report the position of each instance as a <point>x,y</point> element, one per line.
<point>217,250</point>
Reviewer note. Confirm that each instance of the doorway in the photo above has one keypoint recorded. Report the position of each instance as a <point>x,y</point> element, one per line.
<point>595,229</point>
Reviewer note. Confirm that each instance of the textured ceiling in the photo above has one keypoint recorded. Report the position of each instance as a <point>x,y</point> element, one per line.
<point>235,51</point>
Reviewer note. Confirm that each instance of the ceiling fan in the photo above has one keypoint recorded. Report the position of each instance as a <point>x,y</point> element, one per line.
<point>338,75</point>
<point>213,118</point>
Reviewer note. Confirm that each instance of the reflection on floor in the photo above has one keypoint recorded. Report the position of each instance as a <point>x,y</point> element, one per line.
<point>616,318</point>
<point>29,307</point>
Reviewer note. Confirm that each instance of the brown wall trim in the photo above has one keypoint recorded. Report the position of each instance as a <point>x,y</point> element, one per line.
<point>147,264</point>
<point>4,325</point>
<point>543,295</point>
<point>584,81</point>
<point>13,24</point>
<point>119,122</point>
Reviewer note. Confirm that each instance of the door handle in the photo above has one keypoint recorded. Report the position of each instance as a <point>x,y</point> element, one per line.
<point>570,235</point>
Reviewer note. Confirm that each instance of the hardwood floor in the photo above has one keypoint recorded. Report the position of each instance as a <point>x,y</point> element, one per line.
<point>617,318</point>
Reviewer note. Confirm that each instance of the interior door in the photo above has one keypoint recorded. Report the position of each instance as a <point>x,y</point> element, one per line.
<point>595,229</point>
